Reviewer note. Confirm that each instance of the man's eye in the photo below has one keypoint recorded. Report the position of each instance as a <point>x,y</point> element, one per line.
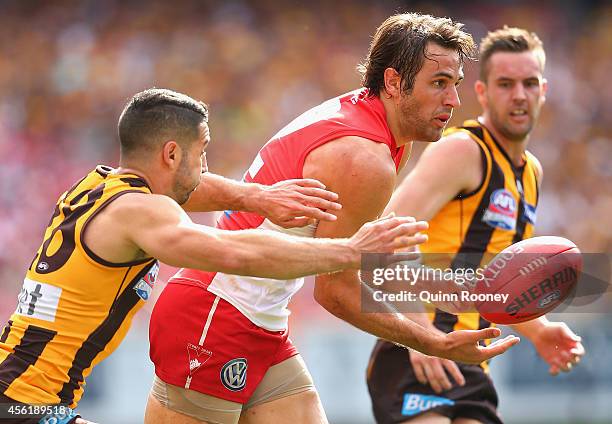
<point>438,83</point>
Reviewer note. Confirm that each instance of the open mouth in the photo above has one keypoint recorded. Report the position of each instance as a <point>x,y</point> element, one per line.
<point>442,120</point>
<point>518,113</point>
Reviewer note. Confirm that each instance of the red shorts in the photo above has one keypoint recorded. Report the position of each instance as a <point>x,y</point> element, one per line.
<point>201,342</point>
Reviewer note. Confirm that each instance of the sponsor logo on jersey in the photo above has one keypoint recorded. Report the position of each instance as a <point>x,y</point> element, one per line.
<point>234,374</point>
<point>501,212</point>
<point>415,403</point>
<point>38,300</point>
<point>144,286</point>
<point>529,213</point>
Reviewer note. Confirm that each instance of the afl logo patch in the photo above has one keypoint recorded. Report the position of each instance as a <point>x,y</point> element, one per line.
<point>501,212</point>
<point>144,286</point>
<point>234,374</point>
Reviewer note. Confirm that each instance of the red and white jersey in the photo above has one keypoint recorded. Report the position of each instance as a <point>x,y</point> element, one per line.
<point>264,301</point>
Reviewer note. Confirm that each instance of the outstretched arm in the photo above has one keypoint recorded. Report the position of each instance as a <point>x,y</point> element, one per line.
<point>157,225</point>
<point>363,175</point>
<point>290,203</point>
<point>445,169</point>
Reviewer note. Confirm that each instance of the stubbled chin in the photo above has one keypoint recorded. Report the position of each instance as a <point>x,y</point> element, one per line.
<point>437,135</point>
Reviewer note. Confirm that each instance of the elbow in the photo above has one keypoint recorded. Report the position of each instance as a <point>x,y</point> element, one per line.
<point>254,264</point>
<point>329,298</point>
<point>239,263</point>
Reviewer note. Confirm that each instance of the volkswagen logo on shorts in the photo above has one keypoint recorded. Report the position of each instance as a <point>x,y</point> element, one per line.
<point>234,374</point>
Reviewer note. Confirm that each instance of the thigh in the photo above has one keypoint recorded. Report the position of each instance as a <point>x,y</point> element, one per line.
<point>286,394</point>
<point>170,404</point>
<point>156,413</point>
<point>300,408</point>
<point>429,418</point>
<point>284,379</point>
<point>466,421</point>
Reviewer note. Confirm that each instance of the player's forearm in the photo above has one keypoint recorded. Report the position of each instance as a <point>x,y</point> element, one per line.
<point>420,318</point>
<point>280,256</point>
<point>343,300</point>
<point>531,328</point>
<point>267,254</point>
<point>216,193</point>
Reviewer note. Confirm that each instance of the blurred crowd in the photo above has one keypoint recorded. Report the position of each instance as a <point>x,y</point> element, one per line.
<point>68,67</point>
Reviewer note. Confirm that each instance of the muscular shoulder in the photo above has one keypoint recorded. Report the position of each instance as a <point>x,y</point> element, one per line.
<point>350,159</point>
<point>458,146</point>
<point>455,157</point>
<point>132,209</point>
<point>111,234</point>
<point>538,167</point>
<point>361,172</point>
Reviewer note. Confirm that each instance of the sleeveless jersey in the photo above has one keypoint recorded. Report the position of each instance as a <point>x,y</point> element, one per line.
<point>263,300</point>
<point>468,231</point>
<point>74,308</point>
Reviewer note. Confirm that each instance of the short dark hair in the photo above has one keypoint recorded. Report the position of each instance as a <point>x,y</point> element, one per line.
<point>157,115</point>
<point>508,39</point>
<point>400,43</point>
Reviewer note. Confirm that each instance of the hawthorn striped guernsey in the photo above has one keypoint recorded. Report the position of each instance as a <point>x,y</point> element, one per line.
<point>472,228</point>
<point>74,308</point>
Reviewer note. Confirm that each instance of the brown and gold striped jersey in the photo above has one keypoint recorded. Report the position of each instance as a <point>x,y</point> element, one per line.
<point>475,226</point>
<point>74,307</point>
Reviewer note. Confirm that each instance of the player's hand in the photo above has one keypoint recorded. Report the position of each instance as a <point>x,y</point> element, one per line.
<point>295,203</point>
<point>433,371</point>
<point>558,346</point>
<point>389,234</point>
<point>462,346</point>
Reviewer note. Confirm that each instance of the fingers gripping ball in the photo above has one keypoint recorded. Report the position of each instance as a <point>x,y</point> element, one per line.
<point>537,274</point>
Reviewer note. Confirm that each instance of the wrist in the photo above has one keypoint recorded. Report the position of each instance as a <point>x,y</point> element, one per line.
<point>351,255</point>
<point>436,345</point>
<point>532,329</point>
<point>250,198</point>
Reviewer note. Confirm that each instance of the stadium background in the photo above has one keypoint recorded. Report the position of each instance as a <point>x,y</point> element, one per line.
<point>67,68</point>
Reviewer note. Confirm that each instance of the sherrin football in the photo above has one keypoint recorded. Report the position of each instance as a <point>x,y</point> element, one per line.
<point>534,276</point>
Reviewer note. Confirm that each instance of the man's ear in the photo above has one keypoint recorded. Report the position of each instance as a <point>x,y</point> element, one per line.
<point>544,89</point>
<point>480,88</point>
<point>393,83</point>
<point>171,154</point>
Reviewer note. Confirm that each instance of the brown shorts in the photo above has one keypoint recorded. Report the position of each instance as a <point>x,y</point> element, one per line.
<point>397,396</point>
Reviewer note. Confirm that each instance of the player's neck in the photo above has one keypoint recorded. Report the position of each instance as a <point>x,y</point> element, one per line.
<point>514,149</point>
<point>393,121</point>
<point>136,170</point>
